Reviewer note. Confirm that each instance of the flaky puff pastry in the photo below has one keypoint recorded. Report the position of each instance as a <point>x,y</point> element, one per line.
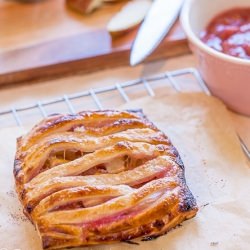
<point>100,177</point>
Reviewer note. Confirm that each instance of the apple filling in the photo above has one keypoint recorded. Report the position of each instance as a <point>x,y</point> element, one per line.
<point>61,157</point>
<point>116,165</point>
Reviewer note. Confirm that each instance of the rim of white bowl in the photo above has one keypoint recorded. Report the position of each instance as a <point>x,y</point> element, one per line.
<point>184,18</point>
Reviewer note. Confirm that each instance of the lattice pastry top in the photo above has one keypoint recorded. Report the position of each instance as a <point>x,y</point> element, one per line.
<point>100,177</point>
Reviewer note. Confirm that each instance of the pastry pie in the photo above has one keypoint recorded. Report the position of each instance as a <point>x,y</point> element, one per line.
<point>100,177</point>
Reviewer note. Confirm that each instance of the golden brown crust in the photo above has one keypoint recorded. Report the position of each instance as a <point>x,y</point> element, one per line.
<point>100,177</point>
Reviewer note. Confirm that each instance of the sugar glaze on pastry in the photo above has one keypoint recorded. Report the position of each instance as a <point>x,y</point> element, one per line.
<point>100,177</point>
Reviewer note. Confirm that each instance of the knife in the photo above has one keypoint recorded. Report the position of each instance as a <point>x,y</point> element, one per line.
<point>154,28</point>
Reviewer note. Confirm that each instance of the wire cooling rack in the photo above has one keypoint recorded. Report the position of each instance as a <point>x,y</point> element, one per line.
<point>153,85</point>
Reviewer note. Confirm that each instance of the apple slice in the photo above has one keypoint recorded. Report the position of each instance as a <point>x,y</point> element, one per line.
<point>130,16</point>
<point>84,6</point>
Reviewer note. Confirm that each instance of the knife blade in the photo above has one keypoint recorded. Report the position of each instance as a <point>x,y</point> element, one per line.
<point>154,28</point>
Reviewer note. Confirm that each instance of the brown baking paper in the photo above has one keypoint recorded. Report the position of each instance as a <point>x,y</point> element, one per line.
<point>217,173</point>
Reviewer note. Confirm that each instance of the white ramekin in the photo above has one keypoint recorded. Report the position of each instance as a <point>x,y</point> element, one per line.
<point>227,77</point>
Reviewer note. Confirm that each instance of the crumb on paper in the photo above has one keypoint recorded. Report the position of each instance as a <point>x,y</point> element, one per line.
<point>204,205</point>
<point>11,193</point>
<point>204,162</point>
<point>214,243</point>
<point>18,217</point>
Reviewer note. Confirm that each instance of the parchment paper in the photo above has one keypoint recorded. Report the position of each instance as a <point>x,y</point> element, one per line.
<point>217,173</point>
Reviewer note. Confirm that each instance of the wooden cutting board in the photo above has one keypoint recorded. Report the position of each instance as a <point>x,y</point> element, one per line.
<point>46,39</point>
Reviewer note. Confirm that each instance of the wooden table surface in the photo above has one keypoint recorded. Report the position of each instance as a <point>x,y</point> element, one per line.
<point>48,20</point>
<point>47,39</point>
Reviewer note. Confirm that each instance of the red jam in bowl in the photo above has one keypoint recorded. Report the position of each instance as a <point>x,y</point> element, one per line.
<point>229,33</point>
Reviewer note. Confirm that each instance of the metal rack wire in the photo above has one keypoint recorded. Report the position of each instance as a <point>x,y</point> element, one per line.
<point>147,83</point>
